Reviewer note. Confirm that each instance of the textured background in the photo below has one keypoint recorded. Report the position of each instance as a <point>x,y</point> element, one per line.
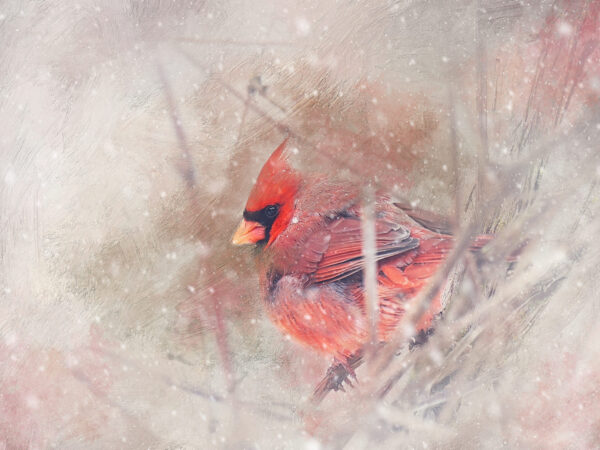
<point>130,134</point>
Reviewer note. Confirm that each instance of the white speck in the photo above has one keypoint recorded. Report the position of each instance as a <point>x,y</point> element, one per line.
<point>302,26</point>
<point>10,177</point>
<point>565,28</point>
<point>294,220</point>
<point>163,194</point>
<point>436,356</point>
<point>32,401</point>
<point>307,317</point>
<point>545,395</point>
<point>192,289</point>
<point>312,444</point>
<point>445,168</point>
<point>10,340</point>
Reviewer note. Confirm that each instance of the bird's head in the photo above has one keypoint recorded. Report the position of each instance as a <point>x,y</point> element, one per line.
<point>270,206</point>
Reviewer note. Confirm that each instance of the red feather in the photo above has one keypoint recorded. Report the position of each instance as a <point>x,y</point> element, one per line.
<point>311,269</point>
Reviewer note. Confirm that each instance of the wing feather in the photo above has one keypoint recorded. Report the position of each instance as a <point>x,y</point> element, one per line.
<point>336,251</point>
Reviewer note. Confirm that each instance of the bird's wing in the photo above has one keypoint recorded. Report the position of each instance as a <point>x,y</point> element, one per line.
<point>335,252</point>
<point>430,220</point>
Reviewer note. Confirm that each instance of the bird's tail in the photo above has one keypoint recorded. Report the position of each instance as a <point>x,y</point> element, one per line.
<point>480,241</point>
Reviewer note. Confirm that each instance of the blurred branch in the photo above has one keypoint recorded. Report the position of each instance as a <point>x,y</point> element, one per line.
<point>282,126</point>
<point>186,169</point>
<point>285,412</point>
<point>370,266</point>
<point>233,42</point>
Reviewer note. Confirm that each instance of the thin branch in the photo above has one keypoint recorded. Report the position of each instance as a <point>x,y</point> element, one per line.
<point>186,169</point>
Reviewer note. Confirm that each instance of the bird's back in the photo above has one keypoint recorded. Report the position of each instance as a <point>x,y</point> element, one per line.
<point>319,297</point>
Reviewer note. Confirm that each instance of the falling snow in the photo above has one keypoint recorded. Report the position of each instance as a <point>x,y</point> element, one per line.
<point>132,133</point>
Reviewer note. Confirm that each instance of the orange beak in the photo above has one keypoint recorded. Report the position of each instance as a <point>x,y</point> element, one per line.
<point>248,233</point>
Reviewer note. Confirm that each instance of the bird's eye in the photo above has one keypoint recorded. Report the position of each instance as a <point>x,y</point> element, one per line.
<point>271,211</point>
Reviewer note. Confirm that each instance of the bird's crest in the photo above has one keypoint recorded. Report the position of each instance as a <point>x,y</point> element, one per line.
<point>277,182</point>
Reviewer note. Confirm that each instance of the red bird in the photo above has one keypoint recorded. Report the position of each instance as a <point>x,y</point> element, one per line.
<point>308,233</point>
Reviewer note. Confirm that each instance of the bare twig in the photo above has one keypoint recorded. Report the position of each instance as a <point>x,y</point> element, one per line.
<point>187,171</point>
<point>370,266</point>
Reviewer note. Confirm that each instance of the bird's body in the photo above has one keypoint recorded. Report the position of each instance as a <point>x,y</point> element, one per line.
<point>310,258</point>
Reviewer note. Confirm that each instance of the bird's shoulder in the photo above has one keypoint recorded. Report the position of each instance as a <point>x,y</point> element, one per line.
<point>326,243</point>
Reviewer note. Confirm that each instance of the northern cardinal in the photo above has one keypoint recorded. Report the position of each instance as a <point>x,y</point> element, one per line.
<point>307,230</point>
